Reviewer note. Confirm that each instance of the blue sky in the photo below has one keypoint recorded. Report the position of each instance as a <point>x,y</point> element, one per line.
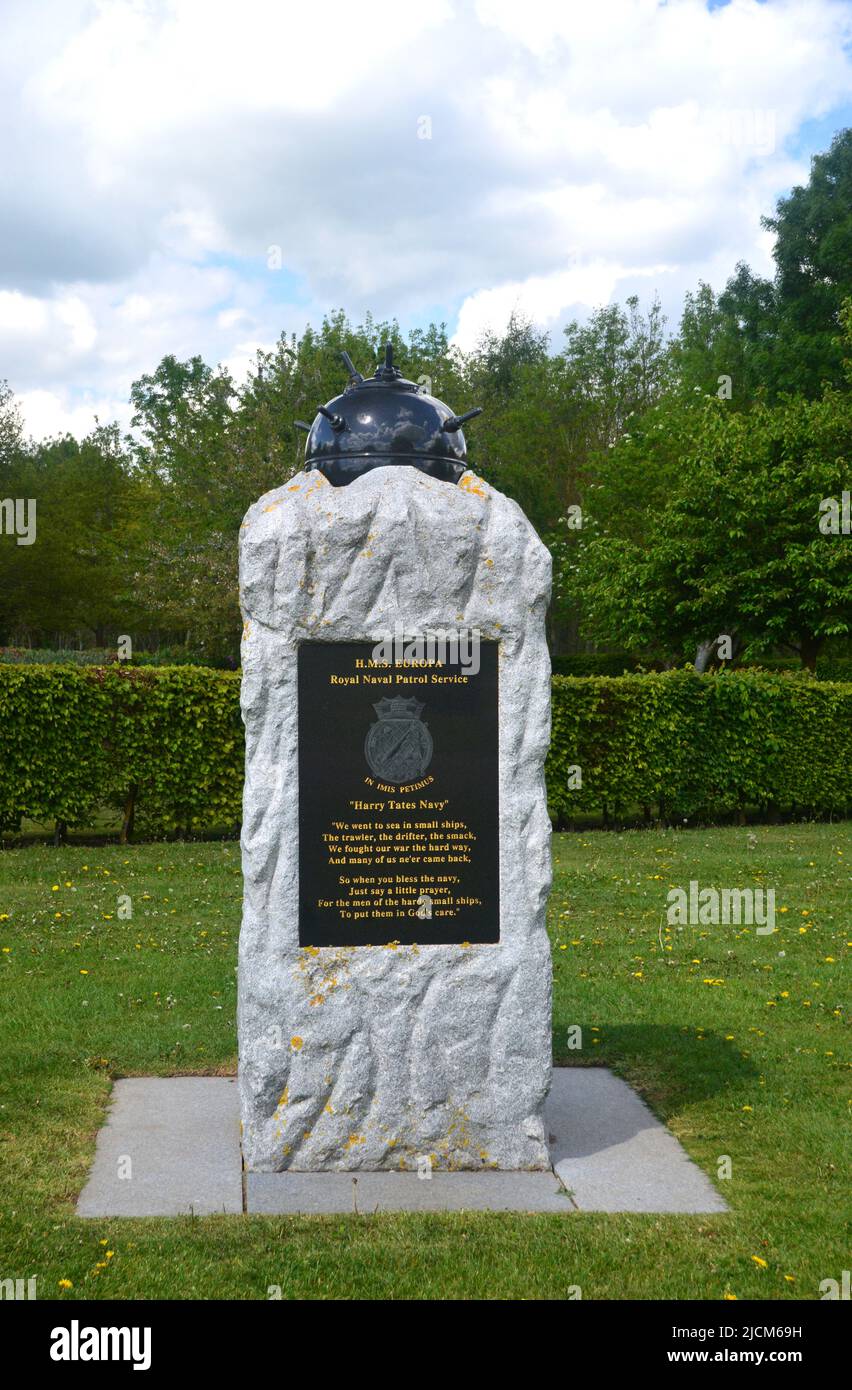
<point>194,177</point>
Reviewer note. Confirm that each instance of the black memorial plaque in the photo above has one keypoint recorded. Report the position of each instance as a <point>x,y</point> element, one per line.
<point>398,799</point>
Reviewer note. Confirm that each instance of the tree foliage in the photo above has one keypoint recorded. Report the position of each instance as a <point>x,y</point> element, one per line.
<point>734,546</point>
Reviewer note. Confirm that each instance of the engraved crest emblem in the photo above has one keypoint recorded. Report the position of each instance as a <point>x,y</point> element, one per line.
<point>398,747</point>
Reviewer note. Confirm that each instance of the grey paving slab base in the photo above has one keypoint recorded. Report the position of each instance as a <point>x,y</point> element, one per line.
<point>181,1135</point>
<point>613,1154</point>
<point>170,1146</point>
<point>314,1193</point>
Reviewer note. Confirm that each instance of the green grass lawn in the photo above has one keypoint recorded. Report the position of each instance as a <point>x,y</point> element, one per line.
<point>738,1041</point>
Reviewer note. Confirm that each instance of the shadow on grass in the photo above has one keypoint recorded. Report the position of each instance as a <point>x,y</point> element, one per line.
<point>669,1067</point>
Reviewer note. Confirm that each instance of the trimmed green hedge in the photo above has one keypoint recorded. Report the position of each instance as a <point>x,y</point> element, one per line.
<point>165,745</point>
<point>600,664</point>
<point>834,668</point>
<point>164,741</point>
<point>94,656</point>
<point>828,668</point>
<point>692,746</point>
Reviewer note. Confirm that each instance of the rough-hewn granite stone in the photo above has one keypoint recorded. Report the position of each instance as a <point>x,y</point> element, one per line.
<point>368,1057</point>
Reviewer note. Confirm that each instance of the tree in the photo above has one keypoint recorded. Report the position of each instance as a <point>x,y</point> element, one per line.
<point>726,343</point>
<point>619,365</point>
<point>11,429</point>
<point>782,335</point>
<point>78,577</point>
<point>813,258</point>
<point>737,548</point>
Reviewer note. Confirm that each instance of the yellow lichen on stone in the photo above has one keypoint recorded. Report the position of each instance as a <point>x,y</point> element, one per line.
<point>297,1043</point>
<point>470,483</point>
<point>320,971</point>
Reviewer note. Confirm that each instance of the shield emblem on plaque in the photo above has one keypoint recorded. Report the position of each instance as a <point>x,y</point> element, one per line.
<point>398,747</point>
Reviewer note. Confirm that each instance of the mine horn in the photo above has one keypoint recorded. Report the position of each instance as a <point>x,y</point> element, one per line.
<point>455,422</point>
<point>354,375</point>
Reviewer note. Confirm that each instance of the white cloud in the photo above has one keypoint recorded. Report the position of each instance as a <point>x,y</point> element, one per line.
<point>60,328</point>
<point>21,315</point>
<point>541,298</point>
<point>244,357</point>
<point>577,152</point>
<point>231,318</point>
<point>47,414</point>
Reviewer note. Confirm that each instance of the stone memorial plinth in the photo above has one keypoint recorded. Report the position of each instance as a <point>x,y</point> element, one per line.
<point>394,970</point>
